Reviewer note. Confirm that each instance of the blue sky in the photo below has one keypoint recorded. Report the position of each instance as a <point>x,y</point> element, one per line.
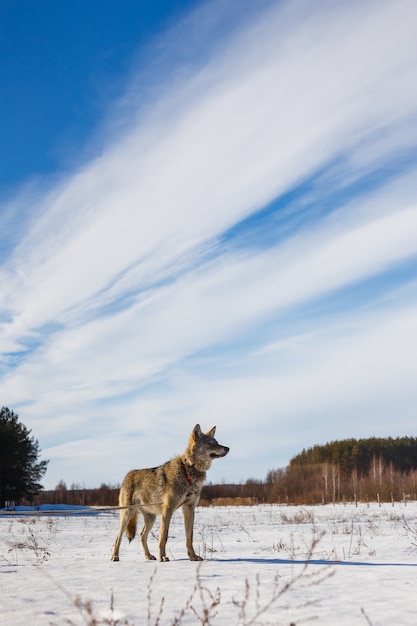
<point>207,214</point>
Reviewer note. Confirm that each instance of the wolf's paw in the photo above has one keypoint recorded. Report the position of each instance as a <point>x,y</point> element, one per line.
<point>150,557</point>
<point>195,557</point>
<point>115,558</point>
<point>164,558</point>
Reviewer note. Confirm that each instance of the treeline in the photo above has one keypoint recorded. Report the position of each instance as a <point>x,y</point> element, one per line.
<point>325,482</point>
<point>351,470</point>
<point>321,483</point>
<point>105,495</point>
<point>303,484</point>
<point>363,455</point>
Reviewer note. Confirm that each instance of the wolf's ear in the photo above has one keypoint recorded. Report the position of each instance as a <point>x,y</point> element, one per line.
<point>197,432</point>
<point>211,432</point>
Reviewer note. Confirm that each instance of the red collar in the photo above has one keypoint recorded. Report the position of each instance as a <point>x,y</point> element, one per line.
<point>186,474</point>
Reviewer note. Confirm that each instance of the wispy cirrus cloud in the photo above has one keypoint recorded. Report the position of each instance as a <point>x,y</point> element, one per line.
<point>269,175</point>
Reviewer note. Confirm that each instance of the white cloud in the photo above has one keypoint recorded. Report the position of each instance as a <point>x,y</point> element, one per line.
<point>209,305</point>
<point>351,378</point>
<point>231,147</point>
<point>299,90</point>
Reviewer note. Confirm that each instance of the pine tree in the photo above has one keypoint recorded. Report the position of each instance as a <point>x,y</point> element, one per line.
<point>20,469</point>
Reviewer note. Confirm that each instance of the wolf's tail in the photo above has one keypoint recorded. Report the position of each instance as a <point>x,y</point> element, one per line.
<point>131,526</point>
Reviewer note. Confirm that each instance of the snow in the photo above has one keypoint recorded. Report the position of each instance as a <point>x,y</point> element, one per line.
<point>266,564</point>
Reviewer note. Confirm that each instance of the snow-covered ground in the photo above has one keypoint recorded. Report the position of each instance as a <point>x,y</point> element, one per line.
<point>265,564</point>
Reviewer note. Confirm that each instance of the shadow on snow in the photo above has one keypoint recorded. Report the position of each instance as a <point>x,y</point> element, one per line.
<point>312,562</point>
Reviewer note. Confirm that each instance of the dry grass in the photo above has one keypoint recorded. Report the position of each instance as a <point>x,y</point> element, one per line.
<point>203,605</point>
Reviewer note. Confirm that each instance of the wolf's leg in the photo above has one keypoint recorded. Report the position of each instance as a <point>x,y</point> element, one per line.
<point>125,516</point>
<point>167,512</point>
<point>188,510</point>
<point>149,519</point>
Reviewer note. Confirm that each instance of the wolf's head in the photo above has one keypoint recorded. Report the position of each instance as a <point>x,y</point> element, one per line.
<point>203,448</point>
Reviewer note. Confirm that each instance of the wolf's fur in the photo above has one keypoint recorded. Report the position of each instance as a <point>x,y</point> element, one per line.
<point>163,489</point>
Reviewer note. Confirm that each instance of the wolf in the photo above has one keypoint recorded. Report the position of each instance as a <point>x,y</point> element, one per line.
<point>162,490</point>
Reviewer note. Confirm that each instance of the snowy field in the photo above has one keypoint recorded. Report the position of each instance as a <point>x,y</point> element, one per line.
<point>263,565</point>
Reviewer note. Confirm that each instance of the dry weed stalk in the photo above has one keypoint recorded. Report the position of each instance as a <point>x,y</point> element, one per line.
<point>410,531</point>
<point>32,543</point>
<point>86,610</point>
<point>149,597</point>
<point>204,604</point>
<point>307,578</point>
<point>208,603</point>
<point>368,621</point>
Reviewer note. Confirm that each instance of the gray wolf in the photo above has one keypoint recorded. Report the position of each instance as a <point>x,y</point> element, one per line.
<point>162,490</point>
